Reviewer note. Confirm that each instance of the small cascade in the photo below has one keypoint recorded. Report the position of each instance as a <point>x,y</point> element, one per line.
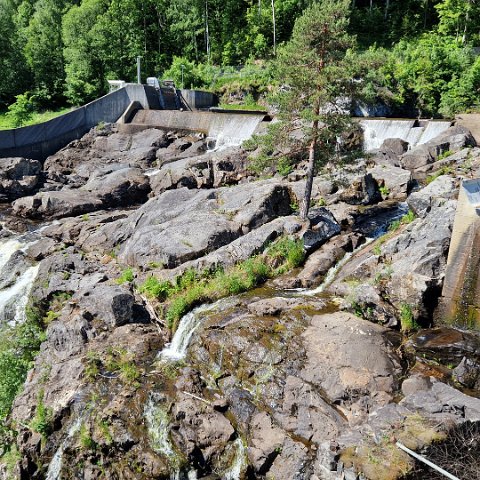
<point>14,299</point>
<point>7,249</point>
<point>54,469</point>
<point>158,422</point>
<point>14,296</point>
<point>238,463</point>
<point>177,348</point>
<point>332,272</point>
<point>401,209</point>
<point>232,130</point>
<point>411,131</point>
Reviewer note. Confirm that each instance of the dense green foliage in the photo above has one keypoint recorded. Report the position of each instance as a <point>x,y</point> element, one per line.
<point>19,345</point>
<point>64,51</point>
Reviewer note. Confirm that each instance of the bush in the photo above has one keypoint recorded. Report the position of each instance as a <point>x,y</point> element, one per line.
<point>407,320</point>
<point>19,346</point>
<point>21,111</point>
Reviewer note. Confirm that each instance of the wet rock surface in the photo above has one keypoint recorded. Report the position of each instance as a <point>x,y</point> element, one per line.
<point>275,383</point>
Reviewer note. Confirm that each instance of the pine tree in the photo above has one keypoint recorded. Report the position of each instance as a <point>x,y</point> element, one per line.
<point>313,70</point>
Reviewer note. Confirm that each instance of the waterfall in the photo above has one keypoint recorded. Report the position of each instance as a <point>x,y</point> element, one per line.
<point>53,472</point>
<point>432,130</point>
<point>158,421</point>
<point>232,130</point>
<point>376,131</point>
<point>14,298</point>
<point>238,463</point>
<point>7,249</point>
<point>177,348</point>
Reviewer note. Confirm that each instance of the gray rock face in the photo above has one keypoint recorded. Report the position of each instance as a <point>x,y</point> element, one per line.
<point>18,177</point>
<point>323,227</point>
<point>118,186</point>
<point>212,169</point>
<point>182,225</point>
<point>111,304</point>
<point>453,139</point>
<point>363,191</point>
<point>396,180</point>
<point>64,203</point>
<point>349,375</point>
<point>435,193</point>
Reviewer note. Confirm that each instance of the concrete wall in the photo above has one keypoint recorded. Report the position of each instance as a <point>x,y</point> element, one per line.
<point>197,100</point>
<point>460,301</point>
<point>40,141</point>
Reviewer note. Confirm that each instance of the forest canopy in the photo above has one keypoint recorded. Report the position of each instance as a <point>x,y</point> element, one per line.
<point>59,52</point>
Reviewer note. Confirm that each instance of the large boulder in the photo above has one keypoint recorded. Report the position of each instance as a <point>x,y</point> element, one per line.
<point>350,376</point>
<point>434,194</point>
<point>64,203</point>
<point>453,139</point>
<point>182,225</point>
<point>396,181</point>
<point>118,185</point>
<point>18,177</point>
<point>323,226</point>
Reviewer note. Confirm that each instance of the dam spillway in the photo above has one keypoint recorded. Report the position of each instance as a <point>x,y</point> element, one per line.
<point>415,132</point>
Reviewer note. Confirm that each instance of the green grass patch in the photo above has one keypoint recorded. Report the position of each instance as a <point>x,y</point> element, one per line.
<point>193,288</point>
<point>446,170</point>
<point>126,276</point>
<point>7,123</point>
<point>405,220</point>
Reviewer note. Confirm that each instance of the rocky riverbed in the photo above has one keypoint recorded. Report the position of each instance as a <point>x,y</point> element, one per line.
<point>314,374</point>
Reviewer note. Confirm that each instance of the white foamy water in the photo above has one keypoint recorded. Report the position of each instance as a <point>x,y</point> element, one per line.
<point>332,272</point>
<point>14,299</point>
<point>55,467</point>
<point>189,323</point>
<point>7,249</point>
<point>157,421</point>
<point>376,131</point>
<point>233,130</point>
<point>238,463</point>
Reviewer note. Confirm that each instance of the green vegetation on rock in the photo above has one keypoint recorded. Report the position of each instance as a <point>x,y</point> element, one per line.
<point>193,288</point>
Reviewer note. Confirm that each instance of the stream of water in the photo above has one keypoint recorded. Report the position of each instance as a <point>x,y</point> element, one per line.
<point>54,469</point>
<point>189,323</point>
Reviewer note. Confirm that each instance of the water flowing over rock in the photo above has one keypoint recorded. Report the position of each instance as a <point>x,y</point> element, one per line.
<point>278,382</point>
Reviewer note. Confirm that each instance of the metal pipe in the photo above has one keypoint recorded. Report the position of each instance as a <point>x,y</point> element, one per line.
<point>427,462</point>
<point>139,77</point>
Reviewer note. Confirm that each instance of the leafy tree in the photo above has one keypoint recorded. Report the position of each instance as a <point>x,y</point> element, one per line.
<point>312,66</point>
<point>44,50</point>
<point>14,77</point>
<point>460,18</point>
<point>84,62</point>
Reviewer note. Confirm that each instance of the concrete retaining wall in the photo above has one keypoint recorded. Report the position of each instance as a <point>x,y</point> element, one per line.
<point>197,100</point>
<point>40,141</point>
<point>460,301</point>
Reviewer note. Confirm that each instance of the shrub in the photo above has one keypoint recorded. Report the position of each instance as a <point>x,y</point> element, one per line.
<point>19,345</point>
<point>155,288</point>
<point>126,276</point>
<point>407,321</point>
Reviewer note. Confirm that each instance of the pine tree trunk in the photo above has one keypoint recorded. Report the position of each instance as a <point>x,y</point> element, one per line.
<point>310,174</point>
